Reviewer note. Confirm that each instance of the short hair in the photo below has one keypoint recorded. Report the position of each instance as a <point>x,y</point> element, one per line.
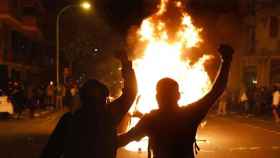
<point>166,85</point>
<point>93,88</point>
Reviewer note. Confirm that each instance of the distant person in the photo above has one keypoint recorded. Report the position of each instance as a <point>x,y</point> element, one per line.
<point>75,98</point>
<point>59,97</point>
<point>31,99</point>
<point>258,99</point>
<point>41,95</point>
<point>275,104</point>
<point>91,131</point>
<point>222,105</point>
<point>18,98</point>
<point>172,129</point>
<point>67,98</point>
<point>50,94</point>
<point>1,92</point>
<point>244,101</point>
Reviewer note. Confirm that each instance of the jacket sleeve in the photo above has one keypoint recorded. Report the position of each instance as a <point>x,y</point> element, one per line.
<point>200,108</point>
<point>120,106</point>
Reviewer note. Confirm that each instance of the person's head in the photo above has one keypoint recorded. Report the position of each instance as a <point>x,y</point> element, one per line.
<point>16,83</point>
<point>275,88</point>
<point>93,92</point>
<point>167,93</point>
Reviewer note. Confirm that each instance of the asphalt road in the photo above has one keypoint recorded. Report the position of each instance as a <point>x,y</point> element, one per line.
<point>222,137</point>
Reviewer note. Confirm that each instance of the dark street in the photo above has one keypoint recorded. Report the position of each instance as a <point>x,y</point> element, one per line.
<point>199,78</point>
<point>222,137</point>
<point>232,137</point>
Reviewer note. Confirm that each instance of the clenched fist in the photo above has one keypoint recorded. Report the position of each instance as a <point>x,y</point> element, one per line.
<point>226,51</point>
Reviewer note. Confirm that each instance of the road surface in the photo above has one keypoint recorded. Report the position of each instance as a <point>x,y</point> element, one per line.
<point>222,137</point>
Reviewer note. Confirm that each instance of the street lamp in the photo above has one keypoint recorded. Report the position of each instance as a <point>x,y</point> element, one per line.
<point>84,6</point>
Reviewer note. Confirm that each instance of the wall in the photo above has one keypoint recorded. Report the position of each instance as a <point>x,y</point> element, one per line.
<point>265,43</point>
<point>4,6</point>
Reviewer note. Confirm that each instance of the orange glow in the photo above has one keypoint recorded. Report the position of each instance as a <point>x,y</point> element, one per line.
<point>163,57</point>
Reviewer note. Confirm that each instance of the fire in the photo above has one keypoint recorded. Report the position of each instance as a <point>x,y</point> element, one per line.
<point>163,57</point>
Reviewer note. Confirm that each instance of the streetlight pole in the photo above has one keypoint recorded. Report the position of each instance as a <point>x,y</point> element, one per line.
<point>57,43</point>
<point>85,6</point>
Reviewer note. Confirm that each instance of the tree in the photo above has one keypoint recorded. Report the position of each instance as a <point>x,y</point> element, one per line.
<point>83,46</point>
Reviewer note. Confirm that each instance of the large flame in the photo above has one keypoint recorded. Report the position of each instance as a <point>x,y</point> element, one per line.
<point>163,57</point>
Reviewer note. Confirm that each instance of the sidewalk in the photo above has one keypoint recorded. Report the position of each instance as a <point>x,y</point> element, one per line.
<point>265,118</point>
<point>26,137</point>
<point>26,114</point>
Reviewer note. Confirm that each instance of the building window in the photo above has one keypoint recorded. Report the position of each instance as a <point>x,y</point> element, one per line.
<point>16,42</point>
<point>274,26</point>
<point>14,3</point>
<point>5,53</point>
<point>275,71</point>
<point>21,46</point>
<point>15,75</point>
<point>4,76</point>
<point>15,10</point>
<point>249,76</point>
<point>29,11</point>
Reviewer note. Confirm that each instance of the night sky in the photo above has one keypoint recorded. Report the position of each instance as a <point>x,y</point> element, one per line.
<point>122,14</point>
<point>119,14</point>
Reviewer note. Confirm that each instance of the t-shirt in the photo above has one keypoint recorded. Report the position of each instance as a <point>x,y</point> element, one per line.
<point>73,91</point>
<point>276,98</point>
<point>243,97</point>
<point>91,135</point>
<point>173,135</point>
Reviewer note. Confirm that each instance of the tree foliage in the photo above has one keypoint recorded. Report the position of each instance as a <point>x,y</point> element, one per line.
<point>83,46</point>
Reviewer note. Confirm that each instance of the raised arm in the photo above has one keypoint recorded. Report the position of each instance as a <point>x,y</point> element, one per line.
<point>202,106</point>
<point>121,105</point>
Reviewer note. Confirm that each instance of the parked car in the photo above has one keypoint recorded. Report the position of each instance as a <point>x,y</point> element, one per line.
<point>6,105</point>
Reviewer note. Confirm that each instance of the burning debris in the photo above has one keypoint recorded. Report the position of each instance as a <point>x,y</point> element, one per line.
<point>160,47</point>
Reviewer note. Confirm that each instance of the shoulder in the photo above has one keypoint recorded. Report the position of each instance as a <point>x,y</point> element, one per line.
<point>188,107</point>
<point>152,114</point>
<point>149,117</point>
<point>67,116</point>
<point>147,121</point>
<point>64,121</point>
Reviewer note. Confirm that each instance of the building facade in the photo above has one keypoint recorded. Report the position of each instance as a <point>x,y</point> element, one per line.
<point>22,50</point>
<point>261,63</point>
<point>252,28</point>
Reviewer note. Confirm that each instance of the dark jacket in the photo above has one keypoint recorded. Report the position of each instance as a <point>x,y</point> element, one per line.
<point>89,132</point>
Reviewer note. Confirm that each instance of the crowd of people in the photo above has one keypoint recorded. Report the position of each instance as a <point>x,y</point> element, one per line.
<point>90,127</point>
<point>91,131</point>
<point>37,97</point>
<point>255,101</point>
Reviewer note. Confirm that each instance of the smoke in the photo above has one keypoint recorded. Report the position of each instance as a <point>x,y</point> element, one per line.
<point>122,14</point>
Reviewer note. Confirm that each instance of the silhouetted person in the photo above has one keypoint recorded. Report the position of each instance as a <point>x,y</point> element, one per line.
<point>91,131</point>
<point>222,105</point>
<point>172,129</point>
<point>18,98</point>
<point>275,104</point>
